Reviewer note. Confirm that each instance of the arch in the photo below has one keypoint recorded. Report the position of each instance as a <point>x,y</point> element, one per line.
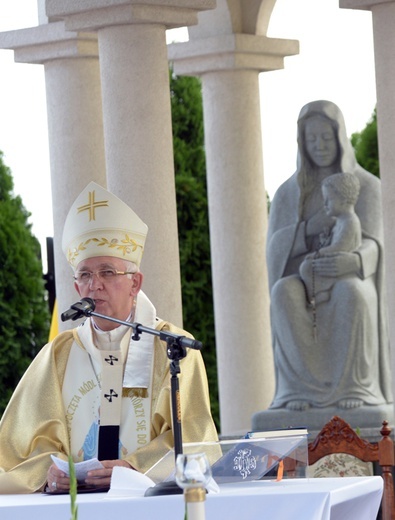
<point>234,17</point>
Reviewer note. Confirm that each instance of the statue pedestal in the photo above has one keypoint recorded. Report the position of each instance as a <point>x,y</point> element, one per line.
<point>367,420</point>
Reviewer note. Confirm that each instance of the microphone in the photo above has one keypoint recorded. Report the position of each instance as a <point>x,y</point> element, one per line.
<point>82,308</point>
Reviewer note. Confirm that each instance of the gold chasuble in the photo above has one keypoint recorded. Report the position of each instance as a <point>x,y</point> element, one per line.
<point>65,380</point>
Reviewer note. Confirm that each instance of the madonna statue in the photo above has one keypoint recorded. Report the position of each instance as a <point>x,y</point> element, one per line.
<point>335,352</point>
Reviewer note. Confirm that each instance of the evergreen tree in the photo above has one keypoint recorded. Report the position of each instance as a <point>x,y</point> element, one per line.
<point>193,229</point>
<point>366,146</point>
<point>24,316</point>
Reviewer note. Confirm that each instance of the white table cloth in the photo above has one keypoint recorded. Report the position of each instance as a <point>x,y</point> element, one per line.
<point>295,499</point>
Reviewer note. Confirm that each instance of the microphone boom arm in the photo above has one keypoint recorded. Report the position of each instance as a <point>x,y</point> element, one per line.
<point>86,307</point>
<point>138,329</point>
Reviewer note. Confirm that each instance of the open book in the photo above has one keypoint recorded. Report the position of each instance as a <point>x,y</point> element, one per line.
<point>281,432</point>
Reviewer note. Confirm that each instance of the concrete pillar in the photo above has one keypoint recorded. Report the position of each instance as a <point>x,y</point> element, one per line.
<point>383,16</point>
<point>229,68</point>
<point>72,79</point>
<point>137,122</point>
<point>139,150</point>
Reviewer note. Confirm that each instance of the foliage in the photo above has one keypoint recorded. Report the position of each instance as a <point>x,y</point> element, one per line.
<point>366,147</point>
<point>193,227</point>
<point>24,316</point>
<point>73,490</point>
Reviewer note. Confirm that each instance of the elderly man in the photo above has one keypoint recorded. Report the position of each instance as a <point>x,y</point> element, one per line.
<point>94,391</point>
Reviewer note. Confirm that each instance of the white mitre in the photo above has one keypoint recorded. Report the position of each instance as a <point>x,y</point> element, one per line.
<point>100,224</point>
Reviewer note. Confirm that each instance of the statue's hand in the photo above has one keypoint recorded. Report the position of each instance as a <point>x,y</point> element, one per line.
<point>337,264</point>
<point>319,222</point>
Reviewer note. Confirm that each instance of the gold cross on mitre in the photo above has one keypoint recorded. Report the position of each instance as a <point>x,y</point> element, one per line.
<point>92,205</point>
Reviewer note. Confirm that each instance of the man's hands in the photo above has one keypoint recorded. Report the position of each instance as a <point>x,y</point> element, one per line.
<point>102,477</point>
<point>59,481</point>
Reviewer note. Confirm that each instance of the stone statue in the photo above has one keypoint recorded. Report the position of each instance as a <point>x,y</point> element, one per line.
<point>340,193</point>
<point>335,352</point>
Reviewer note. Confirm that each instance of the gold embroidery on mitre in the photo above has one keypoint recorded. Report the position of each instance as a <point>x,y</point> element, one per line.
<point>135,392</point>
<point>92,205</point>
<point>129,246</point>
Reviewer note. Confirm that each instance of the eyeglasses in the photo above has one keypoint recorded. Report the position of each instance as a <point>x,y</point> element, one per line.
<point>104,275</point>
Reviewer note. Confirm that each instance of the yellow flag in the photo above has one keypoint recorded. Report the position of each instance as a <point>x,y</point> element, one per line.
<point>54,330</point>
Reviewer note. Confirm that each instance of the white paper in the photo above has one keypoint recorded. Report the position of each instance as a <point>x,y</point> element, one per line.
<point>81,468</point>
<point>128,483</point>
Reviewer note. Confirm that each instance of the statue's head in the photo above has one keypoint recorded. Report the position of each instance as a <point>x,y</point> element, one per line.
<point>323,119</point>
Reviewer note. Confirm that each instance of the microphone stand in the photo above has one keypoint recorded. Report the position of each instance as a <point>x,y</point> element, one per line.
<point>176,350</point>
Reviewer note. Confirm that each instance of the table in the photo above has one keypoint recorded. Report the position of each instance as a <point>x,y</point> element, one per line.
<point>347,498</point>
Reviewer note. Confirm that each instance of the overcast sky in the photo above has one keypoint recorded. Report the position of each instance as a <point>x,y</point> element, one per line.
<point>336,62</point>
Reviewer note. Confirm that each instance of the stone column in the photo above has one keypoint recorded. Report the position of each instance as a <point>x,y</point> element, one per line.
<point>229,68</point>
<point>74,122</point>
<point>137,122</point>
<point>383,16</point>
<point>139,151</point>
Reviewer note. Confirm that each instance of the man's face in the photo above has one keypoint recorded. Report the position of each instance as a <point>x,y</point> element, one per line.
<point>113,295</point>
